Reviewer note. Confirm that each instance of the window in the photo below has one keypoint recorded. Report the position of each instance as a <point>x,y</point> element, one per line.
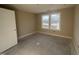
<point>45,21</point>
<point>52,23</point>
<point>55,21</point>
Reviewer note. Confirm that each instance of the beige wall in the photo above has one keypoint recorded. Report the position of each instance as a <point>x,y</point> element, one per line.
<point>28,22</point>
<point>76,30</point>
<point>67,17</point>
<point>25,23</point>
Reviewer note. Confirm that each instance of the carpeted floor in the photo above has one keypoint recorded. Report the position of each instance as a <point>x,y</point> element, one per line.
<point>40,44</point>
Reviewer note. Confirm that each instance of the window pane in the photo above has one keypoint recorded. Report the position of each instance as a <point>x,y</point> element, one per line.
<point>45,21</point>
<point>55,21</point>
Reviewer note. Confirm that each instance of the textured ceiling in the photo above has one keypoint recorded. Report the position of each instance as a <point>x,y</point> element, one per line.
<point>39,8</point>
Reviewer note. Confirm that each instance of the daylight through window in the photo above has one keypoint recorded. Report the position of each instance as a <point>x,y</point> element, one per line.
<point>52,23</point>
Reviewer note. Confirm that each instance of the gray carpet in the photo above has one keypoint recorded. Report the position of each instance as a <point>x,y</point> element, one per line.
<point>40,44</point>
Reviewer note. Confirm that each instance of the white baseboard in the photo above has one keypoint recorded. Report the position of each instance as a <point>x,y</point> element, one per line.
<point>26,35</point>
<point>44,33</point>
<point>56,35</point>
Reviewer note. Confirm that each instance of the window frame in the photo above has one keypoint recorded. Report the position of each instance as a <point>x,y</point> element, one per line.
<point>48,22</point>
<point>59,21</point>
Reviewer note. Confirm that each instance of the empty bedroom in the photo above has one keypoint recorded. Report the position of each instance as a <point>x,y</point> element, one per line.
<point>39,29</point>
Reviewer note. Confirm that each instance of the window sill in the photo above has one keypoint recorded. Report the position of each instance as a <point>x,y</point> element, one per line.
<point>55,30</point>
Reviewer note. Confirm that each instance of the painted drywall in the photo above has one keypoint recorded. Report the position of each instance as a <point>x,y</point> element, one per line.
<point>39,8</point>
<point>25,23</point>
<point>76,30</point>
<point>67,17</point>
<point>28,22</point>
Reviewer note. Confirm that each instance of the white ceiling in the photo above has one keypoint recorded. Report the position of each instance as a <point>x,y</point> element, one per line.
<point>39,8</point>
